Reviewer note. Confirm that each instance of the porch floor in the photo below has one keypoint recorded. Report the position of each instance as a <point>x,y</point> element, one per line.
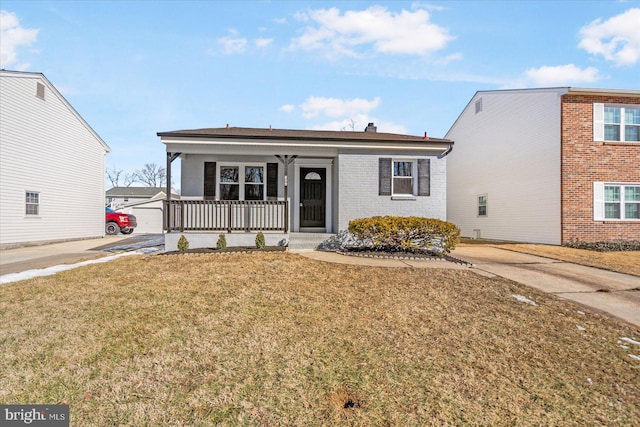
<point>307,240</point>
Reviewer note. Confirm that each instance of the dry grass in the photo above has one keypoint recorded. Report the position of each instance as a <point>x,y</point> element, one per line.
<point>622,262</point>
<point>277,339</point>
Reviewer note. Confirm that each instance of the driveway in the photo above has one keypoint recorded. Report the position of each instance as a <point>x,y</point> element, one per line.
<point>613,293</point>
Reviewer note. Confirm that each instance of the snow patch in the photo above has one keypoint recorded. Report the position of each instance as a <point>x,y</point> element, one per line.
<point>630,341</point>
<point>524,299</point>
<point>49,271</point>
<point>633,356</point>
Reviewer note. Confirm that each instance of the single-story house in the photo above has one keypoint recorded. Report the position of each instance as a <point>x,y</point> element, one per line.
<point>47,148</point>
<point>549,165</point>
<point>240,181</point>
<point>118,197</point>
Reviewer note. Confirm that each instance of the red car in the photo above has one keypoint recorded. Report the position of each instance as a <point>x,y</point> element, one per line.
<point>119,222</point>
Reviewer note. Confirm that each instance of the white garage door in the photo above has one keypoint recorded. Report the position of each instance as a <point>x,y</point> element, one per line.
<point>149,219</point>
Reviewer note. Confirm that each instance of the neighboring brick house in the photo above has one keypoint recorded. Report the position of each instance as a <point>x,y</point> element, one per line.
<point>547,165</point>
<point>239,180</point>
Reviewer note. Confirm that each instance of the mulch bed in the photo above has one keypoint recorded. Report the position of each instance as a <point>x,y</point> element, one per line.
<point>234,249</point>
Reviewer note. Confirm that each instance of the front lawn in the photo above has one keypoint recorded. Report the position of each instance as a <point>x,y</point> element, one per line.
<point>278,339</point>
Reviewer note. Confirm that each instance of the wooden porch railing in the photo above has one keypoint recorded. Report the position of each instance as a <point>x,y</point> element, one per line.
<point>226,215</point>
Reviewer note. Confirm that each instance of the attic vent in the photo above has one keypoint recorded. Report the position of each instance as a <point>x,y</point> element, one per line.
<point>40,90</point>
<point>478,105</point>
<point>371,128</point>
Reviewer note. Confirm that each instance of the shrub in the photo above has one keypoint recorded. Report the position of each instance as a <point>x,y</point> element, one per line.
<point>606,246</point>
<point>183,244</point>
<point>222,242</point>
<point>260,242</point>
<point>405,234</point>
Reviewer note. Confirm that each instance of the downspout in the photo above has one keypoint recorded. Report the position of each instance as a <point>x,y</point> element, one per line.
<point>446,152</point>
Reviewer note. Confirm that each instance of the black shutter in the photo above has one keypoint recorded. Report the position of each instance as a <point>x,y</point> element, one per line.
<point>384,176</point>
<point>272,181</point>
<point>424,178</point>
<point>209,180</point>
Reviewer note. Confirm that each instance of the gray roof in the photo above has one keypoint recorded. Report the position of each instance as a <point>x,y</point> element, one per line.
<point>292,134</point>
<point>134,191</point>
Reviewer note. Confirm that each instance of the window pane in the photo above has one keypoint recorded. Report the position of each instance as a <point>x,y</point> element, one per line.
<point>611,193</point>
<point>612,210</point>
<point>612,133</point>
<point>402,186</point>
<point>482,210</point>
<point>253,174</point>
<point>632,116</point>
<point>32,198</point>
<point>253,191</point>
<point>632,210</point>
<point>612,115</point>
<point>229,174</point>
<point>31,209</point>
<point>229,192</point>
<point>632,194</point>
<point>402,168</point>
<point>632,133</point>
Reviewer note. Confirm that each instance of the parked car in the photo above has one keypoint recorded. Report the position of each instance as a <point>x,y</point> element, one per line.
<point>116,222</point>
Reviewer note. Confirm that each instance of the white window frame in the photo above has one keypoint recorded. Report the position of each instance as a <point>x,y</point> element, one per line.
<point>414,175</point>
<point>241,175</point>
<point>480,205</point>
<point>599,122</point>
<point>28,203</point>
<point>599,200</point>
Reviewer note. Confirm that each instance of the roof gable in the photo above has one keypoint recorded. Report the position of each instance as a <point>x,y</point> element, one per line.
<point>41,77</point>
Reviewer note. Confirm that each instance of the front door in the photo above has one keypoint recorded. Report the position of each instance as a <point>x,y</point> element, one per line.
<point>312,197</point>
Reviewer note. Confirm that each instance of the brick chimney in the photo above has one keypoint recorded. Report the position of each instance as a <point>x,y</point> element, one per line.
<point>371,128</point>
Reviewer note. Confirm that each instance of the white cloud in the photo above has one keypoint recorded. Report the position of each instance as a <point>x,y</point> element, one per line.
<point>263,42</point>
<point>287,108</point>
<point>449,58</point>
<point>561,75</point>
<point>375,28</point>
<point>617,39</point>
<point>233,44</point>
<point>335,107</point>
<point>12,36</point>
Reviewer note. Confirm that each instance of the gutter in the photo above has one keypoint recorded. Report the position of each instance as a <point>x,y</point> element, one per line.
<point>448,150</point>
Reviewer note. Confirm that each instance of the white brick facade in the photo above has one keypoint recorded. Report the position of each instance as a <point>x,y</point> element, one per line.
<point>358,191</point>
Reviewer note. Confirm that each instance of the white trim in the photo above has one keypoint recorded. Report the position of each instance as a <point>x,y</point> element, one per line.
<point>313,163</point>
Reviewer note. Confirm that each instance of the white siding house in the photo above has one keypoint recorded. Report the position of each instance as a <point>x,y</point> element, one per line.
<point>47,150</point>
<point>235,180</point>
<point>503,177</point>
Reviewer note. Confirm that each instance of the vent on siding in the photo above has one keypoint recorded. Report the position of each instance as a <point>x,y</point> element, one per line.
<point>40,90</point>
<point>478,105</point>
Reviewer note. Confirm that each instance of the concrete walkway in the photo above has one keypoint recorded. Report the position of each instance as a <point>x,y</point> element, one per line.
<point>613,293</point>
<point>43,256</point>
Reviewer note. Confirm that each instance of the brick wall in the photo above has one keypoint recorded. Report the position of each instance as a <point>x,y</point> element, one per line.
<point>358,198</point>
<point>585,162</point>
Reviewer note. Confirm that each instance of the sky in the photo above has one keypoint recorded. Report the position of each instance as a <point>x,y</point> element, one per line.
<point>135,68</point>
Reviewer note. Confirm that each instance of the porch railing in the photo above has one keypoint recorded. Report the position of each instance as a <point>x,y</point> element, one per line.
<point>226,215</point>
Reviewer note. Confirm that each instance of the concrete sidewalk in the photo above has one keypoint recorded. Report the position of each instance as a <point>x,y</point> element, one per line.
<point>43,256</point>
<point>614,293</point>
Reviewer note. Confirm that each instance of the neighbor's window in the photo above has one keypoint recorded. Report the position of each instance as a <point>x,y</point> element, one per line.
<point>403,177</point>
<point>32,203</point>
<point>622,124</point>
<point>482,205</point>
<point>621,202</point>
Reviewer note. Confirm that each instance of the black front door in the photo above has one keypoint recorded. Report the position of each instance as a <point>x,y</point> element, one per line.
<point>312,197</point>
